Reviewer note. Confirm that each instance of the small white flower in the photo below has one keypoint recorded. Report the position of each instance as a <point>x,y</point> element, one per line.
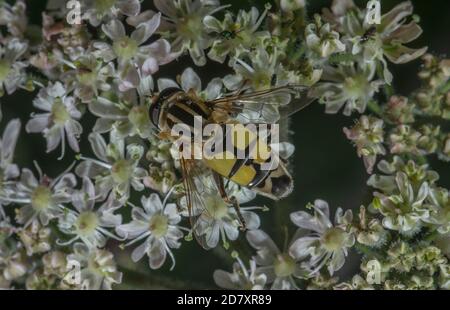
<point>117,168</point>
<point>326,244</point>
<point>183,25</point>
<point>13,263</point>
<point>91,77</point>
<point>404,210</point>
<point>348,86</point>
<point>12,73</point>
<point>241,277</point>
<point>280,268</point>
<point>8,170</point>
<point>127,119</point>
<point>157,224</point>
<point>43,199</point>
<point>14,17</point>
<point>322,40</point>
<point>98,269</point>
<point>136,58</point>
<point>60,120</point>
<point>234,36</point>
<point>87,223</point>
<point>257,69</point>
<point>217,220</point>
<point>98,10</point>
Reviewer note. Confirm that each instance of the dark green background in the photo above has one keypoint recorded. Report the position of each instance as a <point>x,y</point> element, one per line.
<point>325,164</point>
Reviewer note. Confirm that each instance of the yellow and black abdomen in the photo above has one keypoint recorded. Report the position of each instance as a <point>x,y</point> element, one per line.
<point>257,167</point>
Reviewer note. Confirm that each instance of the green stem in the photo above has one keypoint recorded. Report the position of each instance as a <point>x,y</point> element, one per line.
<point>375,108</point>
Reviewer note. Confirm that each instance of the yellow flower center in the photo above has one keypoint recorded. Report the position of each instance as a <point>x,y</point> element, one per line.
<point>59,112</point>
<point>138,116</point>
<point>333,239</point>
<point>284,265</point>
<point>41,198</point>
<point>125,48</point>
<point>216,207</point>
<point>261,80</point>
<point>159,224</point>
<point>121,171</point>
<point>86,223</point>
<point>190,27</point>
<point>356,86</point>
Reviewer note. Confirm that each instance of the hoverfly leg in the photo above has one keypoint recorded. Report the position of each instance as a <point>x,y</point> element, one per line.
<point>241,89</point>
<point>236,207</point>
<point>229,200</point>
<point>164,135</point>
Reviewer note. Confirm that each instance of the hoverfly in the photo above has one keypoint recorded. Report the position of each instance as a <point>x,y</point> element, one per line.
<point>174,106</point>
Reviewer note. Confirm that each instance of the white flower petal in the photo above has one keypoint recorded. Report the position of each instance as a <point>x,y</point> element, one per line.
<point>191,81</point>
<point>114,29</point>
<point>139,252</point>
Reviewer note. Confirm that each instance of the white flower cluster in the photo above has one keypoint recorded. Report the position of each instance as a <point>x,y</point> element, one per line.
<point>109,68</point>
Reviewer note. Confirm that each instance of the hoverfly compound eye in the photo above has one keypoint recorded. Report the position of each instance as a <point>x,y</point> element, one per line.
<point>154,113</point>
<point>155,108</point>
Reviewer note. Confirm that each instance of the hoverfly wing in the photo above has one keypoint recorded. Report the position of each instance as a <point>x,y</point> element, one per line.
<point>195,187</point>
<point>297,104</point>
<point>266,106</point>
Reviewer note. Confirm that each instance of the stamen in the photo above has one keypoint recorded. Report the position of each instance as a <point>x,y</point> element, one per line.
<point>98,162</point>
<point>144,235</point>
<point>58,241</point>
<point>170,254</point>
<point>261,18</point>
<point>39,170</point>
<point>107,233</point>
<point>63,144</point>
